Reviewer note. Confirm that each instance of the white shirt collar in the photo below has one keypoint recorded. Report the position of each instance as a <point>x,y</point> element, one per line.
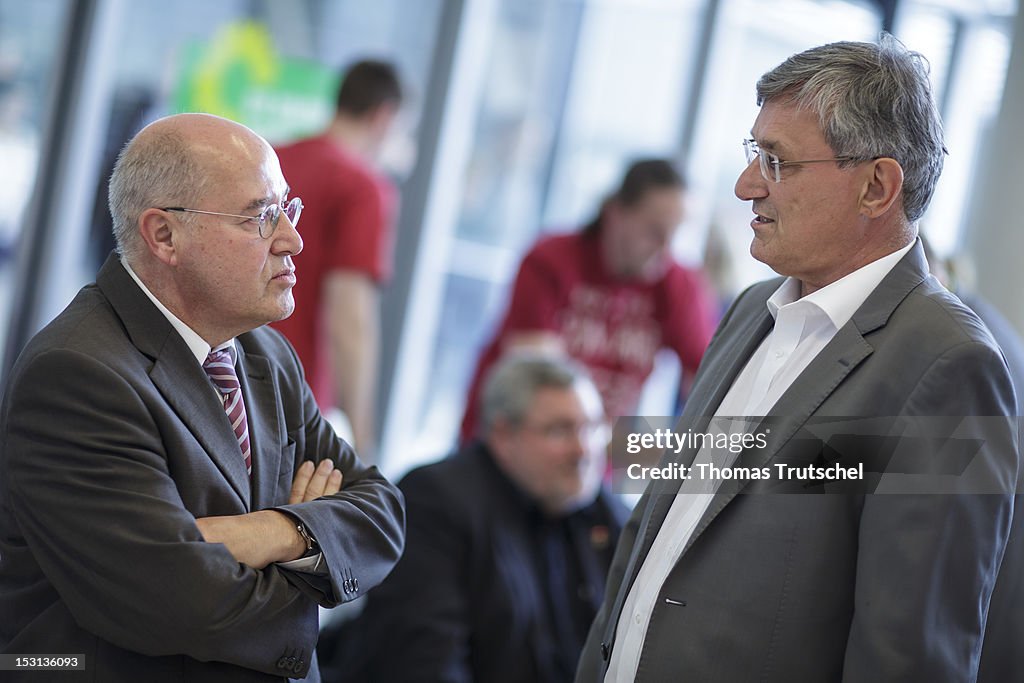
<point>196,344</point>
<point>840,299</point>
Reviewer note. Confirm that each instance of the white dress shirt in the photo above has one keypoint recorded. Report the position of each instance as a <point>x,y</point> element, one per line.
<point>803,327</point>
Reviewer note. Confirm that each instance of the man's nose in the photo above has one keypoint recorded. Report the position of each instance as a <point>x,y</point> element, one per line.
<point>287,239</point>
<point>751,184</point>
<point>576,447</point>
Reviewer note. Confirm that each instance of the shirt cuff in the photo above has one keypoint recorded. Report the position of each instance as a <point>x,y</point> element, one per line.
<point>314,564</point>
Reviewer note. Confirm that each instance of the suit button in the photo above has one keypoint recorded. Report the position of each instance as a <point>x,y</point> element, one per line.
<point>355,585</point>
<point>604,651</point>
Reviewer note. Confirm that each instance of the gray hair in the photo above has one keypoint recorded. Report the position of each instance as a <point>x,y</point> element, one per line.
<point>153,170</point>
<point>512,384</point>
<point>872,101</point>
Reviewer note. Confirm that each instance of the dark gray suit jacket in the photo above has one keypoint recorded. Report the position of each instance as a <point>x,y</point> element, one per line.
<point>835,586</point>
<point>114,441</point>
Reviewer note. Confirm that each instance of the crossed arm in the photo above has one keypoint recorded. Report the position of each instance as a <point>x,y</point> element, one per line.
<point>266,536</point>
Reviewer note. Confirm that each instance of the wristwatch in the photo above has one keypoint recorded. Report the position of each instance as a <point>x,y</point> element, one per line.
<point>306,537</point>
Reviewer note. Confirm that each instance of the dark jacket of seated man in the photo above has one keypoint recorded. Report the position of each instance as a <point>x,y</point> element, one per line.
<point>507,550</point>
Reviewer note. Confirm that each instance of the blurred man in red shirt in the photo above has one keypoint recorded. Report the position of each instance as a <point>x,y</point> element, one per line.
<point>347,228</point>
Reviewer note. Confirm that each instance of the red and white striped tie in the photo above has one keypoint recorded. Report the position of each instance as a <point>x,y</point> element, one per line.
<point>220,366</point>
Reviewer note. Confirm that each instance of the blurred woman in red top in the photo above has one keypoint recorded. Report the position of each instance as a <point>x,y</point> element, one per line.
<point>611,295</point>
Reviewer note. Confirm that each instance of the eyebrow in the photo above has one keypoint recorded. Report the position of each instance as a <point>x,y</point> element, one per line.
<point>767,145</point>
<point>264,201</point>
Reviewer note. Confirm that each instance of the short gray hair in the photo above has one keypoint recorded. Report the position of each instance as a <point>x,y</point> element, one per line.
<point>512,384</point>
<point>872,101</point>
<point>153,170</point>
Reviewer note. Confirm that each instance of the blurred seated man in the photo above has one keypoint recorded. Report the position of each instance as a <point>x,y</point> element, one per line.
<point>508,545</point>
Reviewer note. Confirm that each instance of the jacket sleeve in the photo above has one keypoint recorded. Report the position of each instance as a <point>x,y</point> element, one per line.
<point>928,559</point>
<point>360,529</point>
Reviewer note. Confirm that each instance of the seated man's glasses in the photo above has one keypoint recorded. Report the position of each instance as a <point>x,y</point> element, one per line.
<point>771,165</point>
<point>566,431</point>
<point>266,221</point>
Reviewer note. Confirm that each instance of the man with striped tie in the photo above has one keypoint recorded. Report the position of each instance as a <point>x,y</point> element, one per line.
<point>172,505</point>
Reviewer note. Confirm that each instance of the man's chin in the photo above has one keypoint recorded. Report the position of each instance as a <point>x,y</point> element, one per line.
<point>286,309</point>
<point>759,250</point>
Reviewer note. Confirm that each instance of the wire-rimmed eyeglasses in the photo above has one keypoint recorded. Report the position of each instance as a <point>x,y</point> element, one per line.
<point>771,165</point>
<point>269,216</point>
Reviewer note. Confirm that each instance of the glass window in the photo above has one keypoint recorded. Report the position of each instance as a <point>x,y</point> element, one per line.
<point>520,104</point>
<point>633,70</point>
<point>968,90</point>
<point>30,43</point>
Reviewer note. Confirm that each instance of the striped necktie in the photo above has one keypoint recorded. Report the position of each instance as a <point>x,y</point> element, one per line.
<point>220,366</point>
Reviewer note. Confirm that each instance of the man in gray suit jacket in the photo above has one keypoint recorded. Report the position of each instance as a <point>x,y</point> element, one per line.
<point>173,506</point>
<point>848,585</point>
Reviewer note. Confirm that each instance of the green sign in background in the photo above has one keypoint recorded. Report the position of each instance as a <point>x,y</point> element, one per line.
<point>239,75</point>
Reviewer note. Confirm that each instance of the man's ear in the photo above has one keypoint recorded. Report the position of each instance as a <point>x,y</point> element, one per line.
<point>158,232</point>
<point>882,187</point>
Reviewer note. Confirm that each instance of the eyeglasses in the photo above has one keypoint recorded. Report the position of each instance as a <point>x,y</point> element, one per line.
<point>269,216</point>
<point>771,164</point>
<point>567,431</point>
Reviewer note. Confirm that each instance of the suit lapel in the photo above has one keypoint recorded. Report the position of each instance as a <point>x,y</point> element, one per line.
<point>708,391</point>
<point>264,424</point>
<point>176,374</point>
<point>723,367</point>
<point>847,350</point>
<point>187,389</point>
<point>716,375</point>
<point>822,376</point>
